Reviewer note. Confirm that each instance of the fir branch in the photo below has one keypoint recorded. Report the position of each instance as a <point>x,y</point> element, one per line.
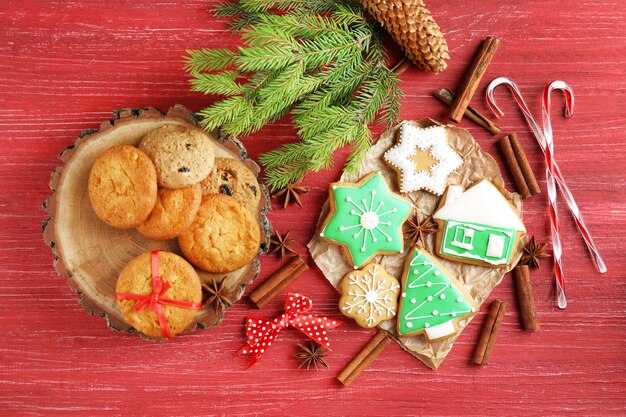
<point>359,150</point>
<point>223,83</point>
<point>208,60</point>
<point>328,70</point>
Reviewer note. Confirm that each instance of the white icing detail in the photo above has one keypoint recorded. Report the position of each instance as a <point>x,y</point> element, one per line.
<point>464,254</point>
<point>415,261</point>
<point>413,301</point>
<point>369,220</point>
<point>495,246</point>
<point>371,295</point>
<point>453,192</point>
<point>436,273</point>
<point>442,297</point>
<point>432,139</point>
<point>403,294</point>
<point>464,241</point>
<point>441,330</point>
<point>482,203</point>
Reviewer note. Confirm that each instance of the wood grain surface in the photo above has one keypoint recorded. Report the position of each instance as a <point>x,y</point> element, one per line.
<point>65,65</point>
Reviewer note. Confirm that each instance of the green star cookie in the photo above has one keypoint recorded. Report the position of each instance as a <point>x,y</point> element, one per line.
<point>366,218</point>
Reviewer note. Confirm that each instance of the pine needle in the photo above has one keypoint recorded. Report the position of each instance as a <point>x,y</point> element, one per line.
<point>321,60</point>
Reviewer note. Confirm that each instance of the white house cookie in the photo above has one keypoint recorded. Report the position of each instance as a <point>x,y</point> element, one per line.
<point>422,159</point>
<point>477,226</point>
<point>369,295</point>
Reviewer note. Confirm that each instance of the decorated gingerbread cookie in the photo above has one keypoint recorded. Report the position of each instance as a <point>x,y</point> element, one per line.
<point>423,159</point>
<point>366,218</point>
<point>477,226</point>
<point>369,295</point>
<point>432,301</point>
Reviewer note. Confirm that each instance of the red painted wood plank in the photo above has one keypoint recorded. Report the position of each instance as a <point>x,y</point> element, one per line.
<point>65,65</point>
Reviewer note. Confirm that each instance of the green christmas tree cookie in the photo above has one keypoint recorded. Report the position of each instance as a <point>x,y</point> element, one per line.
<point>366,218</point>
<point>432,302</point>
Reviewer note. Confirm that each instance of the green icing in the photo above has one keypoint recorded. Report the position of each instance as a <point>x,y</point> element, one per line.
<point>367,219</point>
<point>429,298</point>
<point>472,241</point>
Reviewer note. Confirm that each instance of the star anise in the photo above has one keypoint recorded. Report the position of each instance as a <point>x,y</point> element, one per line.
<point>291,193</point>
<point>311,354</point>
<point>281,244</point>
<point>416,230</point>
<point>533,253</point>
<point>217,295</point>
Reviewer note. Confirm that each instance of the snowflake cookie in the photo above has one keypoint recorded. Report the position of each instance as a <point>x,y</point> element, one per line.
<point>423,159</point>
<point>369,295</point>
<point>432,300</point>
<point>366,218</point>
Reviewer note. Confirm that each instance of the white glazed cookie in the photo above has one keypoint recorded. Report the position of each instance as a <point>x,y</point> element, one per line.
<point>423,159</point>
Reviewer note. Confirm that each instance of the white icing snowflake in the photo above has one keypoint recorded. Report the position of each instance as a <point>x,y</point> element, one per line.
<point>370,295</point>
<point>369,219</point>
<point>433,140</point>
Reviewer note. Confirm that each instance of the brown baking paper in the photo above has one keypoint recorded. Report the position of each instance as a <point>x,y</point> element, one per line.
<point>478,280</point>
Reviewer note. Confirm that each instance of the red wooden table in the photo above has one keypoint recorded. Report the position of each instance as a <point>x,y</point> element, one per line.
<point>66,64</point>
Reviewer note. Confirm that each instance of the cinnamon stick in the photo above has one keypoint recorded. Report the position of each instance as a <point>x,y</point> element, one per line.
<point>525,298</point>
<point>489,333</point>
<point>473,78</point>
<point>364,358</point>
<point>529,175</point>
<point>280,279</point>
<point>514,166</point>
<point>447,97</point>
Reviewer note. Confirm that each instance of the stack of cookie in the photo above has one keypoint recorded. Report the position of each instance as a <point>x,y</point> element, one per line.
<point>173,186</point>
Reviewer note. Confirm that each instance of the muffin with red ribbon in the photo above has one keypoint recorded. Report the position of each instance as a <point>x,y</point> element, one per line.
<point>158,293</point>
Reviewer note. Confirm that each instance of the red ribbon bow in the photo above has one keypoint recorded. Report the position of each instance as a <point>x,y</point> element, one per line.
<point>155,300</point>
<point>261,333</point>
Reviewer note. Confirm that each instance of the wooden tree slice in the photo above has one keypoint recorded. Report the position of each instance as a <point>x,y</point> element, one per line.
<point>90,253</point>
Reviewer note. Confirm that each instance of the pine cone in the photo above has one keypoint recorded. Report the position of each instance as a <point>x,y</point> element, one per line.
<point>413,28</point>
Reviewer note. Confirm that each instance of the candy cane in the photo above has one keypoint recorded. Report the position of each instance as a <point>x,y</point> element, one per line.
<point>553,173</point>
<point>567,194</point>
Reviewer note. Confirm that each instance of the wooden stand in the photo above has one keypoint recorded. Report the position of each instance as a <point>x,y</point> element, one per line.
<point>90,253</point>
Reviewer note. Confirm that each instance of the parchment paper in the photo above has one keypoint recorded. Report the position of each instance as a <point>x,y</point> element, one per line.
<point>478,280</point>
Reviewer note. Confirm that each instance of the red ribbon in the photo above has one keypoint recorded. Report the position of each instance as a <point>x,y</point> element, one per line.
<point>155,300</point>
<point>261,333</point>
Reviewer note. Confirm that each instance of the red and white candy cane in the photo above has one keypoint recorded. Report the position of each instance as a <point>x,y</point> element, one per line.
<point>545,140</point>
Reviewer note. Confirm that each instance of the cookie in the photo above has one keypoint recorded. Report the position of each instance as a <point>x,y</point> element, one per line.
<point>180,283</point>
<point>181,156</point>
<point>477,226</point>
<point>223,237</point>
<point>432,301</point>
<point>369,295</point>
<point>122,186</point>
<point>365,218</point>
<point>173,212</point>
<point>231,177</point>
<point>422,159</point>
